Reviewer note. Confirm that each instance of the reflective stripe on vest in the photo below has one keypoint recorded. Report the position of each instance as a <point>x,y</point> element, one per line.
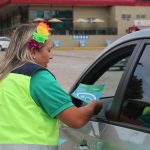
<point>26,147</point>
<point>22,121</point>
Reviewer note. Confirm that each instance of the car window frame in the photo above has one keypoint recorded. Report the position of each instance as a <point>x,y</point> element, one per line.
<point>103,58</point>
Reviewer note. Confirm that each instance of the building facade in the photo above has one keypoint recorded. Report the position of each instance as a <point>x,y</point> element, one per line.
<point>94,21</point>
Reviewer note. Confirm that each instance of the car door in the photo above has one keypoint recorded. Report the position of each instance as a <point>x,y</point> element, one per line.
<point>133,108</point>
<point>102,133</point>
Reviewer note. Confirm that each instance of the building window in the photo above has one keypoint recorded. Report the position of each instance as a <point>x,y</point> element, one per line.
<point>39,14</point>
<point>90,19</point>
<point>140,16</point>
<point>32,14</point>
<point>66,16</point>
<point>66,26</point>
<point>126,17</point>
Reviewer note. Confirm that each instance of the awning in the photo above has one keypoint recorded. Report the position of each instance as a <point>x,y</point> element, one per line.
<point>71,2</point>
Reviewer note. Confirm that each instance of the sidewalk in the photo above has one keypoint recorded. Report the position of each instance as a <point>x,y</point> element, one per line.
<point>83,54</point>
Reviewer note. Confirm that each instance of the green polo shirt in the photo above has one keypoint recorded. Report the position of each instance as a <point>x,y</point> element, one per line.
<point>48,94</point>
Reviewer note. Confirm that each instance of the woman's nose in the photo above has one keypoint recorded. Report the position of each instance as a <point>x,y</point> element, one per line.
<point>50,56</point>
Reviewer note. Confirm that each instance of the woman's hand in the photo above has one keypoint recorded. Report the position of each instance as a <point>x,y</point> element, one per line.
<point>96,106</point>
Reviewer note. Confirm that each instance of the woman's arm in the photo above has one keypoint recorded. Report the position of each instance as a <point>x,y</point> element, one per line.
<point>77,117</point>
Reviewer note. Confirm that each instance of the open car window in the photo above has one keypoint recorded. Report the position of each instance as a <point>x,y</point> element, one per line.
<point>107,73</point>
<point>112,76</point>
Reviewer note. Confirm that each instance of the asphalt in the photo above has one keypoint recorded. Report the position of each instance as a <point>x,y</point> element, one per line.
<point>79,48</point>
<point>67,65</point>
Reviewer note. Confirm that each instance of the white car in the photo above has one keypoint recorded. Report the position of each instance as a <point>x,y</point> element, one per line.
<point>124,122</point>
<point>4,43</point>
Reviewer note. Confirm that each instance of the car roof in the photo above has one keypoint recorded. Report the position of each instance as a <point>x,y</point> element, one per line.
<point>141,34</point>
<point>144,33</point>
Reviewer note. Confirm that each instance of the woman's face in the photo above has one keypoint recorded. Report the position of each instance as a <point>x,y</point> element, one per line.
<point>43,56</point>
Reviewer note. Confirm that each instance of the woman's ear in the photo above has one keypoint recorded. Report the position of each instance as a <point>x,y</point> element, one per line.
<point>33,52</point>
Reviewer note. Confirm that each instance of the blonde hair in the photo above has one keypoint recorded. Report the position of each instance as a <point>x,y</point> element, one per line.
<point>17,53</point>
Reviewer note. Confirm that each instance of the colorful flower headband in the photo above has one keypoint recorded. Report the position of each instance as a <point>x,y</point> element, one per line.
<point>39,36</point>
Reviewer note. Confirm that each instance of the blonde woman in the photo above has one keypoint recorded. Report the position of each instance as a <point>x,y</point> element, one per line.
<point>31,99</point>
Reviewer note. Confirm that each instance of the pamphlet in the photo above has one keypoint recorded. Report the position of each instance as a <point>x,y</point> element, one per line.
<point>88,93</point>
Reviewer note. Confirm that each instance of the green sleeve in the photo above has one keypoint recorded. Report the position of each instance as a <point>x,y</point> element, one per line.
<point>48,94</point>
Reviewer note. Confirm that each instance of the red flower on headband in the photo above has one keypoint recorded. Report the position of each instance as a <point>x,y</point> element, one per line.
<point>35,44</point>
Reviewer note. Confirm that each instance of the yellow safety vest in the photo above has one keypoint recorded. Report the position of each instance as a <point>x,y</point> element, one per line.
<point>22,121</point>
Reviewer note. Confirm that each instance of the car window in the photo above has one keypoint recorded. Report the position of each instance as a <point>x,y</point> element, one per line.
<point>136,106</point>
<point>112,76</point>
<point>4,39</point>
<point>1,39</point>
<point>111,79</point>
<point>108,72</point>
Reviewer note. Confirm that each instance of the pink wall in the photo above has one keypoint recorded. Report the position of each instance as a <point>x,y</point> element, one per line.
<point>77,2</point>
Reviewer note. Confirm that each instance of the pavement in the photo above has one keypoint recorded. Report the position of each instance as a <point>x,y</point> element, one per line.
<point>67,65</point>
<point>79,48</point>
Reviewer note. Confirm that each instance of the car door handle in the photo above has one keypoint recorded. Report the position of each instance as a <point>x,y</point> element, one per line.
<point>99,146</point>
<point>83,145</point>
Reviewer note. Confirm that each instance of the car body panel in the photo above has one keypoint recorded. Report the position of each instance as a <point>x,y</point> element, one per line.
<point>95,136</point>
